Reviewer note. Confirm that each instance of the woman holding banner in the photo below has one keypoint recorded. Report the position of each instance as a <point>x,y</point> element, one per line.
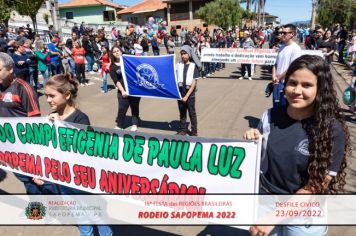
<point>125,101</point>
<point>61,91</point>
<point>306,142</point>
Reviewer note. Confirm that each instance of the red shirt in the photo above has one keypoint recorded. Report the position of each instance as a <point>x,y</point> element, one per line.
<point>78,55</point>
<point>19,100</point>
<point>106,60</point>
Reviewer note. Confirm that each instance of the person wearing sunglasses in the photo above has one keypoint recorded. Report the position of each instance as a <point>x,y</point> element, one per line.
<point>287,53</point>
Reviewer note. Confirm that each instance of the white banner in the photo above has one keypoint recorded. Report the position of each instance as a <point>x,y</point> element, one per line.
<point>247,56</point>
<point>239,55</point>
<point>99,160</point>
<point>234,210</point>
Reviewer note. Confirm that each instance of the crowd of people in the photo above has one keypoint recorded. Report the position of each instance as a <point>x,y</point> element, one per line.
<point>306,139</point>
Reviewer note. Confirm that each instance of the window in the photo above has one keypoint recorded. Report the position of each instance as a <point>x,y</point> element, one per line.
<point>180,11</point>
<point>134,20</point>
<point>69,15</point>
<point>109,15</point>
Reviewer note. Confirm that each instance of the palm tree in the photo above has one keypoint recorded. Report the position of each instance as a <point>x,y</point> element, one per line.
<point>248,5</point>
<point>261,12</point>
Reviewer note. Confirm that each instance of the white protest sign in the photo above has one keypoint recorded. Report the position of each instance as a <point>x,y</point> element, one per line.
<point>246,56</point>
<point>238,55</point>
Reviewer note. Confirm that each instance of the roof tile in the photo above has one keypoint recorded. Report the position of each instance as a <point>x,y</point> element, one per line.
<point>146,5</point>
<point>84,3</point>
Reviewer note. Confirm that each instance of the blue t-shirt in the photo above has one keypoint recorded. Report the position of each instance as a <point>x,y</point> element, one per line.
<point>52,47</point>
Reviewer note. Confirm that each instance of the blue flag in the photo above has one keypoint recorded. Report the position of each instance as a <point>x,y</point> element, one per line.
<point>146,76</point>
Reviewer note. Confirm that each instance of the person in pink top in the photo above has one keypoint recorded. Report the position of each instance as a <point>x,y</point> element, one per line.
<point>78,53</point>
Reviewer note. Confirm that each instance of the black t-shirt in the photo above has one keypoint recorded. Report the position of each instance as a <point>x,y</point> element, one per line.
<point>18,100</point>
<point>288,153</point>
<point>116,75</point>
<point>78,117</point>
<point>329,45</point>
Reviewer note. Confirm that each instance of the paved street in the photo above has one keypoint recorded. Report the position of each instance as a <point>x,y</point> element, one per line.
<point>226,107</point>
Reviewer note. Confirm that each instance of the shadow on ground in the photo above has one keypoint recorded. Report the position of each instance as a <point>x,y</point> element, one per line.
<point>159,125</point>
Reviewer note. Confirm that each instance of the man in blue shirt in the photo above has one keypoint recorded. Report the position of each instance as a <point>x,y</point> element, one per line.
<point>55,56</point>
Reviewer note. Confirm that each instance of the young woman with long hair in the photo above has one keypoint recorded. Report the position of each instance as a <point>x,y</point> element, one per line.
<point>61,91</point>
<point>125,101</point>
<point>307,143</point>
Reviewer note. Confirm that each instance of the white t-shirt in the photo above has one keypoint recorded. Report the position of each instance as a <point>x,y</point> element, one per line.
<point>138,49</point>
<point>286,55</point>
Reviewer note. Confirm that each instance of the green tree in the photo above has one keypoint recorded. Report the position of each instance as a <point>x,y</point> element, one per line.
<point>6,7</point>
<point>29,8</point>
<point>341,11</point>
<point>223,13</point>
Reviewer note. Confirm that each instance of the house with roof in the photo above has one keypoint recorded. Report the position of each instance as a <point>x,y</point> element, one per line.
<point>183,13</point>
<point>89,11</point>
<point>139,13</point>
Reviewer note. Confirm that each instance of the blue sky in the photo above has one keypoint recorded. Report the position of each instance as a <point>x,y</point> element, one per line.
<point>287,10</point>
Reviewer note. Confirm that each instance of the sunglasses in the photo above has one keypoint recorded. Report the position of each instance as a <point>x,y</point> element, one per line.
<point>284,32</point>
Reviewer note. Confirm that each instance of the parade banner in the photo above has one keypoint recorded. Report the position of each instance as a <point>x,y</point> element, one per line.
<point>99,160</point>
<point>147,76</point>
<point>239,55</point>
<point>255,56</point>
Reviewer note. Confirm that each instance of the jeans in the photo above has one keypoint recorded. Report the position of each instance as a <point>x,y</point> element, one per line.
<point>206,68</point>
<point>278,95</point>
<point>32,188</point>
<point>104,85</point>
<point>90,60</point>
<point>340,48</point>
<point>213,67</point>
<point>245,67</point>
<point>189,106</point>
<point>124,104</point>
<point>88,230</point>
<point>55,68</point>
<point>145,54</point>
<point>297,230</point>
<point>45,75</point>
<point>85,230</point>
<point>71,65</point>
<point>33,76</point>
<point>156,52</point>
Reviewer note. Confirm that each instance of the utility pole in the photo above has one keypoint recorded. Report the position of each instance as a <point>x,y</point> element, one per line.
<point>313,16</point>
<point>52,6</point>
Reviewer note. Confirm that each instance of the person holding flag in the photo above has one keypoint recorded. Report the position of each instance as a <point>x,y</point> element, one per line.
<point>125,101</point>
<point>187,76</point>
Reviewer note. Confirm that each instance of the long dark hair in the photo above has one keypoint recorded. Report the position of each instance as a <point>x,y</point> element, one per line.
<point>320,130</point>
<point>112,58</point>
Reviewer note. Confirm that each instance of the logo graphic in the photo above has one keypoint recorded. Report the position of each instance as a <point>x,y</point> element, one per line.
<point>7,97</point>
<point>35,211</point>
<point>147,77</point>
<point>303,147</point>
